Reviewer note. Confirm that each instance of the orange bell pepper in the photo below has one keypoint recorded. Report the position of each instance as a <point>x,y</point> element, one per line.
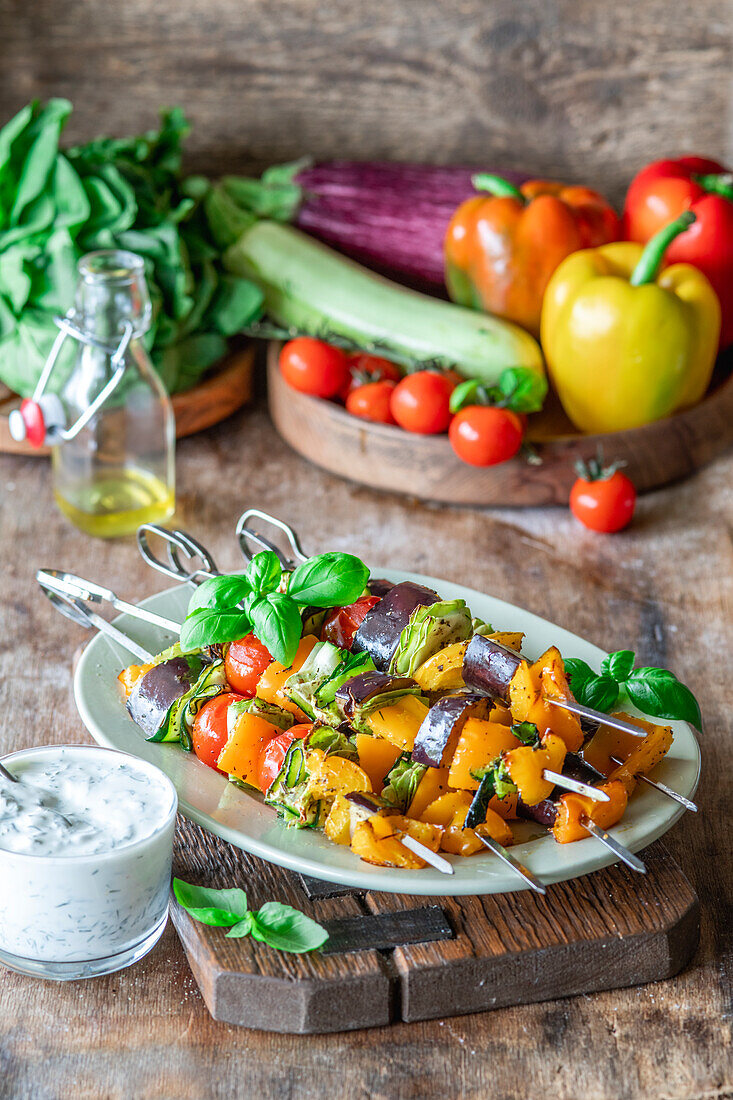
<point>638,755</point>
<point>531,685</point>
<point>130,676</point>
<point>572,807</point>
<point>502,248</point>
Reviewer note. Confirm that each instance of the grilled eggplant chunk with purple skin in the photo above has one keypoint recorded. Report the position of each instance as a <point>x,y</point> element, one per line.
<point>380,631</point>
<point>372,690</point>
<point>545,812</point>
<point>155,693</point>
<point>438,735</point>
<point>489,666</point>
<point>379,586</point>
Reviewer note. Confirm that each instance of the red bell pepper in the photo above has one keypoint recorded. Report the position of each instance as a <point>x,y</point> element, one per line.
<point>662,191</point>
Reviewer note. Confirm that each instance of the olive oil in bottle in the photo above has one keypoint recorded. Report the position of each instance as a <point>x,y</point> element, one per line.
<point>114,469</point>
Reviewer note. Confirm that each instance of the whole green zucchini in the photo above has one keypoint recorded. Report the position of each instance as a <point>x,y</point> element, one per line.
<point>309,287</point>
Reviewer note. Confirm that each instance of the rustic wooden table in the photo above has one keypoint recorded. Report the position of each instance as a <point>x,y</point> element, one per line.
<point>665,588</point>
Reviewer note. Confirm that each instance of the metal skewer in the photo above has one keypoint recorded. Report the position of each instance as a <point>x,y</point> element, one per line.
<point>613,845</point>
<point>177,543</point>
<point>76,610</point>
<point>68,584</point>
<point>575,785</point>
<point>524,873</point>
<point>429,856</point>
<point>596,716</point>
<point>246,532</point>
<point>662,788</point>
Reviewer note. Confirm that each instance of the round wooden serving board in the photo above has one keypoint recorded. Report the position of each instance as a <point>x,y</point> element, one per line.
<point>212,400</point>
<point>425,466</point>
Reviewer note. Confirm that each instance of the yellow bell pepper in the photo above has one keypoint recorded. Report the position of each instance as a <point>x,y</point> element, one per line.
<point>624,343</point>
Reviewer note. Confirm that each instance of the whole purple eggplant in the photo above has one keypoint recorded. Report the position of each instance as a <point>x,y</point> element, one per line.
<point>388,215</point>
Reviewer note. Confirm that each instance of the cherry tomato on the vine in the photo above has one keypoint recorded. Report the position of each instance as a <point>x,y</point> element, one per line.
<point>273,754</point>
<point>377,369</point>
<point>605,503</point>
<point>209,734</point>
<point>314,367</point>
<point>483,435</point>
<point>245,662</point>
<point>420,402</point>
<point>371,402</point>
<point>342,623</point>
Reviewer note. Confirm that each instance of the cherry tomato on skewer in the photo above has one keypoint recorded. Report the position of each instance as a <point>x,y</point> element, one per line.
<point>342,623</point>
<point>245,662</point>
<point>210,732</point>
<point>274,753</point>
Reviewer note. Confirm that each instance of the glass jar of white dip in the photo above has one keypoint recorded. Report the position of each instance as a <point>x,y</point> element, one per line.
<point>86,844</point>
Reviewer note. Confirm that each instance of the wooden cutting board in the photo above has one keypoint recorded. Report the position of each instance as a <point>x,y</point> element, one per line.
<point>425,466</point>
<point>227,389</point>
<point>393,957</point>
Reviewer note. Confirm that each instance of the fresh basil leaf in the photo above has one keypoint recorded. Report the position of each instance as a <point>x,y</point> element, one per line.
<point>209,626</point>
<point>276,622</point>
<point>658,692</point>
<point>619,665</point>
<point>526,732</point>
<point>264,573</point>
<point>244,928</point>
<point>590,689</point>
<point>600,694</point>
<point>524,390</point>
<point>287,929</point>
<point>224,593</point>
<point>470,392</point>
<point>328,580</point>
<point>217,907</point>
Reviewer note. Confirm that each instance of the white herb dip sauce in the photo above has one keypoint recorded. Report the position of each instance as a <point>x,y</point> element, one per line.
<point>86,841</point>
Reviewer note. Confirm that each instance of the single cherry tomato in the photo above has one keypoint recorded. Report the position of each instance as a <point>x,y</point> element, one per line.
<point>342,623</point>
<point>210,733</point>
<point>420,402</point>
<point>245,662</point>
<point>604,503</point>
<point>274,752</point>
<point>482,435</point>
<point>371,402</point>
<point>314,367</point>
<point>374,368</point>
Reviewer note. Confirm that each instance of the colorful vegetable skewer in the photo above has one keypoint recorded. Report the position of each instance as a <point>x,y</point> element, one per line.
<point>179,540</point>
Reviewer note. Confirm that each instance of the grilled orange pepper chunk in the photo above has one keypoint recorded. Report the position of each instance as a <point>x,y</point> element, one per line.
<point>638,755</point>
<point>527,764</point>
<point>531,685</point>
<point>572,807</point>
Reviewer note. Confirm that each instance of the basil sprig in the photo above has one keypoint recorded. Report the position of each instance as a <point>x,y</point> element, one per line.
<point>518,388</point>
<point>655,691</point>
<point>224,609</point>
<point>277,925</point>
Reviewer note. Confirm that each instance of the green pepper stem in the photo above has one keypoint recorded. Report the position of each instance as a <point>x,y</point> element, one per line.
<point>718,183</point>
<point>650,262</point>
<point>498,186</point>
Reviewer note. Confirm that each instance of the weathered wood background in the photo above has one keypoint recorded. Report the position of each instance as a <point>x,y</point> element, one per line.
<point>587,88</point>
